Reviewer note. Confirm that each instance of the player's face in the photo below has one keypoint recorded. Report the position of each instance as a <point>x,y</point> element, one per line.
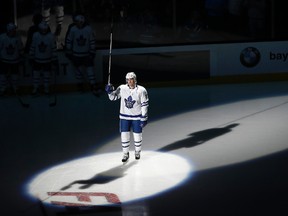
<point>43,31</point>
<point>131,83</point>
<point>12,33</point>
<point>79,24</point>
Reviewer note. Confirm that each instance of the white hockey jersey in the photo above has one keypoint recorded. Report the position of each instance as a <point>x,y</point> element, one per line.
<point>43,47</point>
<point>81,41</point>
<point>134,102</point>
<point>11,48</point>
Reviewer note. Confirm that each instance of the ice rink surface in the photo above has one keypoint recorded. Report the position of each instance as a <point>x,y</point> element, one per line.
<point>207,150</point>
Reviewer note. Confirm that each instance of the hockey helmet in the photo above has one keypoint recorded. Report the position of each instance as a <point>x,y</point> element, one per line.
<point>131,75</point>
<point>11,27</point>
<point>43,26</point>
<point>79,19</point>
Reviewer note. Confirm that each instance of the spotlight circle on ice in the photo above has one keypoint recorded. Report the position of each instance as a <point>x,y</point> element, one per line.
<point>250,57</point>
<point>102,180</point>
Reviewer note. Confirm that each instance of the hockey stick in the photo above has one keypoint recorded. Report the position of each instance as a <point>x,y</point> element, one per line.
<point>110,49</point>
<point>54,101</point>
<point>23,104</point>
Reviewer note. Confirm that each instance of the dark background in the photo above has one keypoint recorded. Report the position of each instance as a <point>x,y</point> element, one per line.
<point>161,13</point>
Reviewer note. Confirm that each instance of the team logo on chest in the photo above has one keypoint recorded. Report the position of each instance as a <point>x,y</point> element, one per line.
<point>81,41</point>
<point>129,102</point>
<point>10,50</point>
<point>42,47</point>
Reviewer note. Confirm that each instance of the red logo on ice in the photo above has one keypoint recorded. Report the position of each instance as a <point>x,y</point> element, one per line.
<point>83,197</point>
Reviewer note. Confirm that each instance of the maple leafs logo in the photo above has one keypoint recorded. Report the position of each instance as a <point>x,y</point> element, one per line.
<point>129,102</point>
<point>42,47</point>
<point>81,41</point>
<point>10,50</point>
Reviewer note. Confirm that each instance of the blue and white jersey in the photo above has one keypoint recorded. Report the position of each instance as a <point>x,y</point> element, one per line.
<point>134,102</point>
<point>81,41</point>
<point>43,48</point>
<point>11,49</point>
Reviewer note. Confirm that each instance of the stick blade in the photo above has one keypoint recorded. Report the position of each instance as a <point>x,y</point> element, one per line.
<point>25,105</point>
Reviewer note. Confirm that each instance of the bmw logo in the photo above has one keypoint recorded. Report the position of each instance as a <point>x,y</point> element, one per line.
<point>250,57</point>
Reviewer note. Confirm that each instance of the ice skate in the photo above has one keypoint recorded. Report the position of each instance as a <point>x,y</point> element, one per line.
<point>125,157</point>
<point>137,155</point>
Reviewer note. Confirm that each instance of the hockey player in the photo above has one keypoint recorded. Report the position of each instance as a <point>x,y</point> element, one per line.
<point>43,54</point>
<point>36,19</point>
<point>133,112</point>
<point>11,55</point>
<point>80,48</point>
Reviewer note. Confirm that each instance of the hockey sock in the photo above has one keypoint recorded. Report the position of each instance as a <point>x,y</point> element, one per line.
<point>125,141</point>
<point>137,141</point>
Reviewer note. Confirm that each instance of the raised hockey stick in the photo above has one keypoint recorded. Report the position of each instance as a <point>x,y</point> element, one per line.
<point>110,49</point>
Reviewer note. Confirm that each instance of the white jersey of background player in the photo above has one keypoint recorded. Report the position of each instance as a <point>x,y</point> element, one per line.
<point>133,112</point>
<point>11,54</point>
<point>81,50</point>
<point>43,52</point>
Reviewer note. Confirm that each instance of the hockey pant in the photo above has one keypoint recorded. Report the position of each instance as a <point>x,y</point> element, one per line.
<point>37,80</point>
<point>125,141</point>
<point>13,79</point>
<point>90,75</point>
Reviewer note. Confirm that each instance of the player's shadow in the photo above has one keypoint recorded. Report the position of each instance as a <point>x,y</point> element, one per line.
<point>103,177</point>
<point>198,138</point>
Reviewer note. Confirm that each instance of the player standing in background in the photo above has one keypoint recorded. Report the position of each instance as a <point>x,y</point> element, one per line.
<point>133,112</point>
<point>36,19</point>
<point>43,53</point>
<point>11,54</point>
<point>80,48</point>
<point>45,6</point>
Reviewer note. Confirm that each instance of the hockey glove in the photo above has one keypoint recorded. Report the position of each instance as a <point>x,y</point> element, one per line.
<point>143,124</point>
<point>109,88</point>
